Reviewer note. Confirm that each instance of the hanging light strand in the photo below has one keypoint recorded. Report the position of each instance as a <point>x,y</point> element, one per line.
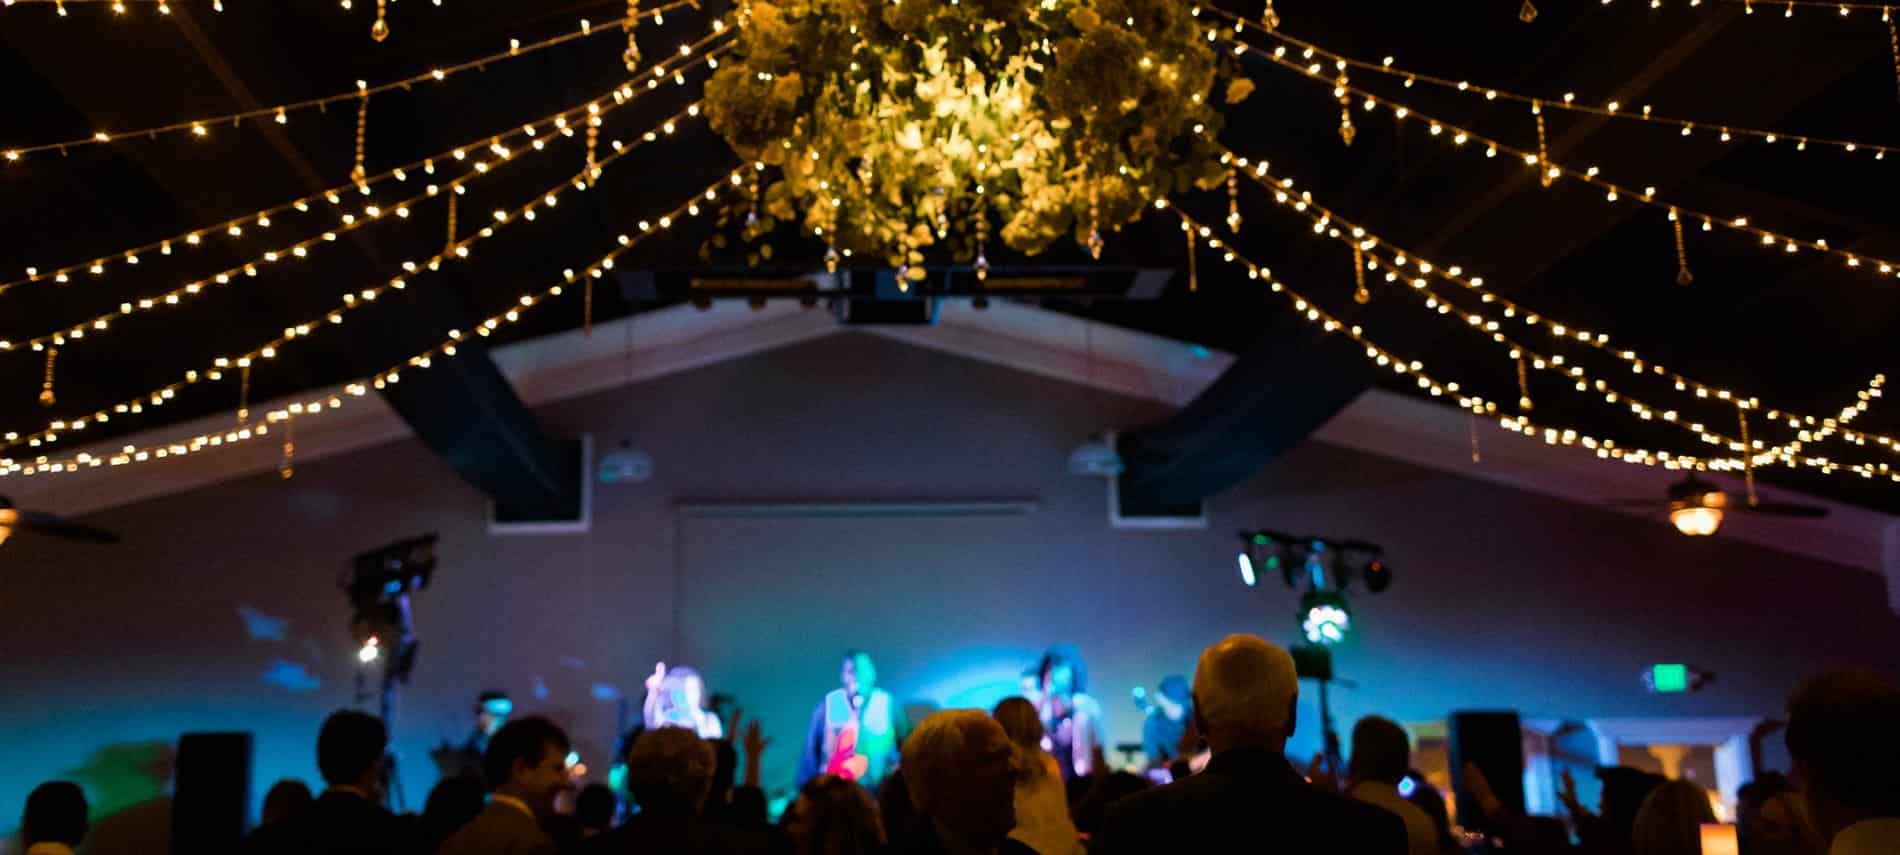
<point>1569,103</point>
<point>333,196</point>
<point>348,303</point>
<point>560,123</point>
<point>320,403</point>
<point>1815,429</point>
<point>516,48</point>
<point>379,31</point>
<point>1607,449</point>
<point>1647,196</point>
<point>1893,46</point>
<point>47,398</point>
<point>95,327</point>
<point>244,395</point>
<point>358,173</point>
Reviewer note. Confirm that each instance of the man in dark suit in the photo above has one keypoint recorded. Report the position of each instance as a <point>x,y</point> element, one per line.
<point>348,819</point>
<point>1249,799</point>
<point>527,763</point>
<point>669,775</point>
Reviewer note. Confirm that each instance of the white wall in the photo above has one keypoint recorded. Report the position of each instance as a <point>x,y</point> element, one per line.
<point>1502,599</point>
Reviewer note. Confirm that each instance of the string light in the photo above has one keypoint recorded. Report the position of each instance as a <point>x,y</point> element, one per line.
<point>632,55</point>
<point>559,122</point>
<point>1362,238</point>
<point>350,302</point>
<point>1313,314</point>
<point>379,31</point>
<point>47,398</point>
<point>1893,45</point>
<point>1612,110</point>
<point>518,309</point>
<point>1552,170</point>
<point>20,153</point>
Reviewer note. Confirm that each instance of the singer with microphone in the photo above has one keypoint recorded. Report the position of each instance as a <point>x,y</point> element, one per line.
<point>855,730</point>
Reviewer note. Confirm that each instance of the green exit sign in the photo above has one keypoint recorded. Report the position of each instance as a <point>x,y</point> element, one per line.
<point>1668,678</point>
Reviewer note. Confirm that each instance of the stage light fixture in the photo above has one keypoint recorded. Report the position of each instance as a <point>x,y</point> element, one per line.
<point>1377,575</point>
<point>626,465</point>
<point>1246,566</point>
<point>1324,617</point>
<point>370,651</point>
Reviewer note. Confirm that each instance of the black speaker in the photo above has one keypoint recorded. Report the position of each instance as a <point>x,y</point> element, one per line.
<point>1493,742</point>
<point>212,792</point>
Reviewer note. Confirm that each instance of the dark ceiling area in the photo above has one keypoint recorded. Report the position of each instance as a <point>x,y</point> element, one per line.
<point>1799,330</point>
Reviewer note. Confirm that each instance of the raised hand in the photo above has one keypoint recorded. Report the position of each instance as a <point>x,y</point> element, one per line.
<point>1568,792</point>
<point>654,679</point>
<point>755,739</point>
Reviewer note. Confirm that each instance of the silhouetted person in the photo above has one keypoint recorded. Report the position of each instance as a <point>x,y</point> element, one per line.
<point>55,819</point>
<point>961,773</point>
<point>348,819</point>
<point>669,775</point>
<point>594,810</point>
<point>834,816</point>
<point>527,765</point>
<point>453,803</point>
<point>1042,807</point>
<point>1670,820</point>
<point>1844,738</point>
<point>1381,757</point>
<point>1249,799</point>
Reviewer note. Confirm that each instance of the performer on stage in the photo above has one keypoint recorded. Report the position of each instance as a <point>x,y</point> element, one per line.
<point>492,709</point>
<point>855,730</point>
<point>1168,711</point>
<point>1071,719</point>
<point>674,699</point>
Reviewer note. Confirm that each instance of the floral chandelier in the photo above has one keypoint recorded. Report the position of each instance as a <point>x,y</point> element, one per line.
<point>900,126</point>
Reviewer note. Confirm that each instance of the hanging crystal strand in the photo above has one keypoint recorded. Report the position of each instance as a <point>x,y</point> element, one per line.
<point>1194,279</point>
<point>943,214</point>
<point>1269,18</point>
<point>358,174</point>
<point>831,242</point>
<point>448,247</point>
<point>903,266</point>
<point>1233,201</point>
<point>1346,130</point>
<point>380,30</point>
<point>1471,425</point>
<point>1893,43</point>
<point>1095,222</point>
<point>587,306</point>
<point>593,145</point>
<point>632,56</point>
<point>1748,454</point>
<point>244,395</point>
<point>1523,387</point>
<point>982,243</point>
<point>1683,276</point>
<point>1359,295</point>
<point>46,386</point>
<point>1527,12</point>
<point>286,466</point>
<point>1543,150</point>
<point>752,190</point>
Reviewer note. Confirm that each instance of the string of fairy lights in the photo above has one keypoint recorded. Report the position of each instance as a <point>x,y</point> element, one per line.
<point>455,248</point>
<point>1549,170</point>
<point>492,154</point>
<point>1372,254</point>
<point>1327,221</point>
<point>694,206</point>
<point>1199,234</point>
<point>280,113</point>
<point>1688,128</point>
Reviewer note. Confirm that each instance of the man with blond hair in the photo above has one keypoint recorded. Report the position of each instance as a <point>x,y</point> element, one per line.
<point>1249,799</point>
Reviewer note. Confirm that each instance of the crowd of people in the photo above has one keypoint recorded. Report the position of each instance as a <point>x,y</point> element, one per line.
<point>1010,782</point>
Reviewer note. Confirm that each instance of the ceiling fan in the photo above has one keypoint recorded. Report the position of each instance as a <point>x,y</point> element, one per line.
<point>14,520</point>
<point>1696,506</point>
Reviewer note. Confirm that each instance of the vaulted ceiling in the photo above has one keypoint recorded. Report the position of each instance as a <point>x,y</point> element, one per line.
<point>1798,330</point>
